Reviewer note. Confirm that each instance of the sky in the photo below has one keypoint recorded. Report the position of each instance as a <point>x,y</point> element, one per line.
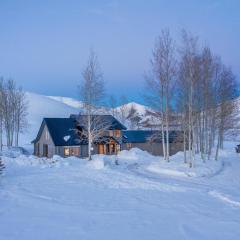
<point>44,45</point>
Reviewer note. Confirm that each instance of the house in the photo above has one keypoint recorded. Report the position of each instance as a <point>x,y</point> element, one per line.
<point>151,141</point>
<point>67,137</point>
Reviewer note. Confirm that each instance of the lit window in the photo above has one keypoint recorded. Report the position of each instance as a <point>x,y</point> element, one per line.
<point>66,151</point>
<point>129,146</point>
<point>118,133</point>
<point>118,148</point>
<point>71,151</point>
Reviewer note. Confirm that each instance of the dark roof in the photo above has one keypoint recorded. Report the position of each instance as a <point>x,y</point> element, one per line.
<point>108,121</point>
<point>62,131</point>
<point>143,136</point>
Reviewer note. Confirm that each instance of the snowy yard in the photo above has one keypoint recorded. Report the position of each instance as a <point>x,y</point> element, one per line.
<point>141,198</point>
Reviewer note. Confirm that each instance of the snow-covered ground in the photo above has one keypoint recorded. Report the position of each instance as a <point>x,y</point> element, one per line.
<point>141,198</point>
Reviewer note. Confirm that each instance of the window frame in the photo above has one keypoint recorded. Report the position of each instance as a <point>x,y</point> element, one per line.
<point>129,146</point>
<point>72,151</point>
<point>118,133</point>
<point>66,149</point>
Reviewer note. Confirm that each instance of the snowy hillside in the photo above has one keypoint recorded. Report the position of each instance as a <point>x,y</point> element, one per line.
<point>68,101</point>
<point>141,109</point>
<point>41,106</point>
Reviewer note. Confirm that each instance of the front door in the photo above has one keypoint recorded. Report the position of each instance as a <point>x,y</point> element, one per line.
<point>45,150</point>
<point>111,148</point>
<point>101,149</point>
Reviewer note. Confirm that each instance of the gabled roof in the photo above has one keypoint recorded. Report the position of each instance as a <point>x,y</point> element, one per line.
<point>143,136</point>
<point>109,121</point>
<point>62,131</point>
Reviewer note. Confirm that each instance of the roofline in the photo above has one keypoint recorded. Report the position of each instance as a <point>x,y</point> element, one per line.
<point>123,127</point>
<point>39,134</point>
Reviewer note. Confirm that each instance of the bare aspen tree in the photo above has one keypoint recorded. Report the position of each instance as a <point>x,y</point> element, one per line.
<point>92,94</point>
<point>20,117</point>
<point>13,109</point>
<point>205,90</point>
<point>189,70</point>
<point>1,112</point>
<point>123,109</point>
<point>134,118</point>
<point>8,108</point>
<point>113,106</point>
<point>226,106</point>
<point>181,104</point>
<point>154,98</point>
<point>160,82</point>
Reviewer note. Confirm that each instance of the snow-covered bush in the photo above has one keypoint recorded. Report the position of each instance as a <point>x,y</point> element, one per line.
<point>2,166</point>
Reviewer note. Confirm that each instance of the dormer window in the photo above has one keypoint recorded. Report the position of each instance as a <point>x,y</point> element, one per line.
<point>118,133</point>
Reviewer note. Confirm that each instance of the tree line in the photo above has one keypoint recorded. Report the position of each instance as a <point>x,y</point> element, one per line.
<point>189,86</point>
<point>13,112</point>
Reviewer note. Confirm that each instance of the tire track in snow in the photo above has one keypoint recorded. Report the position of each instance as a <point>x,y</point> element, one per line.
<point>224,198</point>
<point>200,186</point>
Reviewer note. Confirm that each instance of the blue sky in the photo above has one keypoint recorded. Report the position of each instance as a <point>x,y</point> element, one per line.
<point>44,44</point>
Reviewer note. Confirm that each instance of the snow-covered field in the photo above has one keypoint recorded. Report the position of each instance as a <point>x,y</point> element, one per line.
<point>141,198</point>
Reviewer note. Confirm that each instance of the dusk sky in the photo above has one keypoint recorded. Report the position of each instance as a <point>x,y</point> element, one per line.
<point>45,44</point>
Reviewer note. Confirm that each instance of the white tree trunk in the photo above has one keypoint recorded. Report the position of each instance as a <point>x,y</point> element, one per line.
<point>89,138</point>
<point>167,127</point>
<point>184,146</point>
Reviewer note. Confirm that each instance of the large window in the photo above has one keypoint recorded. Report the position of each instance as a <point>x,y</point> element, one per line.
<point>129,146</point>
<point>66,151</point>
<point>118,148</point>
<point>72,151</point>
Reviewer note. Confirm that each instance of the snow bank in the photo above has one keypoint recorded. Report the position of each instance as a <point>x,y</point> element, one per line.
<point>97,162</point>
<point>176,167</point>
<point>134,159</point>
<point>144,196</point>
<point>14,152</point>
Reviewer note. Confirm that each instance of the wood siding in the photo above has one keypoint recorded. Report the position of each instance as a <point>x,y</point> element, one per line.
<point>47,140</point>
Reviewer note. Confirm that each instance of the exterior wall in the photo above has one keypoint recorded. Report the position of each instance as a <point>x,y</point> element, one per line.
<point>43,140</point>
<point>84,151</point>
<point>176,147</point>
<point>155,148</point>
<point>95,149</point>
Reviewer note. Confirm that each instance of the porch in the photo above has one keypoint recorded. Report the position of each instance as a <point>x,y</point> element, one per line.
<point>108,146</point>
